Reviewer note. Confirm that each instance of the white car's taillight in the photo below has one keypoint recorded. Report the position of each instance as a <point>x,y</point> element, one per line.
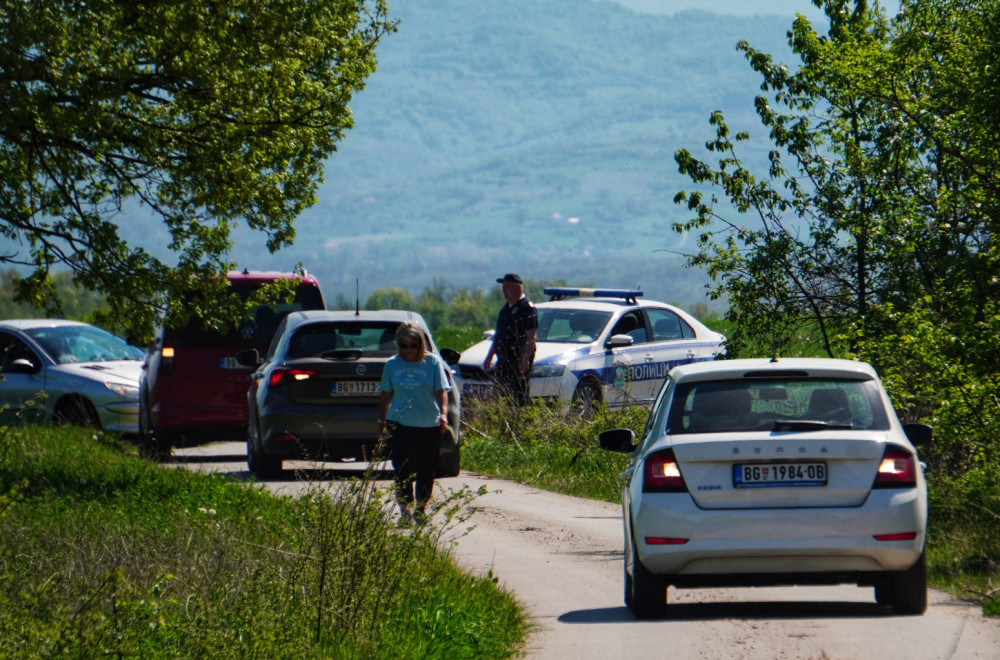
<point>897,469</point>
<point>661,474</point>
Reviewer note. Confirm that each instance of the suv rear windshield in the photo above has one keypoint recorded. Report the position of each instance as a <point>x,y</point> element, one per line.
<point>256,332</point>
<point>776,405</point>
<point>371,337</point>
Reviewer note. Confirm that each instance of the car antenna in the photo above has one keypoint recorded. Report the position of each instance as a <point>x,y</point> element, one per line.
<point>357,296</point>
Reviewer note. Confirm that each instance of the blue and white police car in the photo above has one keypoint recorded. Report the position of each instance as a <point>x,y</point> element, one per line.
<point>600,345</point>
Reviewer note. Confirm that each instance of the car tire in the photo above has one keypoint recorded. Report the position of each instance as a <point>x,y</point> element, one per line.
<point>586,396</point>
<point>153,444</point>
<point>648,592</point>
<point>76,411</point>
<point>909,588</point>
<point>628,585</point>
<point>883,593</point>
<point>259,463</point>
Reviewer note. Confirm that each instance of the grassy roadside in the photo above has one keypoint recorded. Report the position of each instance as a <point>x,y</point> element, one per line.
<point>102,553</point>
<point>546,449</point>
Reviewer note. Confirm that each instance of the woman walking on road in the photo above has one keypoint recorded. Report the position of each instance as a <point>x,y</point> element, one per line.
<point>413,411</point>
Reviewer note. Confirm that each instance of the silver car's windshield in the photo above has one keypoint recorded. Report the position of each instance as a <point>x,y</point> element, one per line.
<point>83,343</point>
<point>573,326</point>
<point>776,405</point>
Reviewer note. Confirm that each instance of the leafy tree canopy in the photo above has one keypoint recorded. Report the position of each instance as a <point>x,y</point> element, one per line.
<point>878,220</point>
<point>205,114</point>
<point>882,188</point>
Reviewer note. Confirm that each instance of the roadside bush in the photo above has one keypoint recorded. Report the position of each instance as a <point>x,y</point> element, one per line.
<point>105,554</point>
<point>457,339</point>
<point>934,376</point>
<point>547,446</point>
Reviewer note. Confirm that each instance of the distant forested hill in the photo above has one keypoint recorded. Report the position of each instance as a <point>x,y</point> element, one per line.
<point>534,136</point>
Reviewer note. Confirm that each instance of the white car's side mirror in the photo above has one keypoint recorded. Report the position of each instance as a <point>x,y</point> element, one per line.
<point>619,340</point>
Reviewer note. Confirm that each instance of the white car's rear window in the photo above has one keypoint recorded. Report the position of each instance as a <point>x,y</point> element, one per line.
<point>776,405</point>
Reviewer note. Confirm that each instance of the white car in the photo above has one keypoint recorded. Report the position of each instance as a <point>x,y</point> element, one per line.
<point>69,372</point>
<point>771,472</point>
<point>600,345</point>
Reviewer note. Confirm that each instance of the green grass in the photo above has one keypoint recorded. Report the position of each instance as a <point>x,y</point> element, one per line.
<point>103,553</point>
<point>549,450</point>
<point>457,339</point>
<point>543,447</point>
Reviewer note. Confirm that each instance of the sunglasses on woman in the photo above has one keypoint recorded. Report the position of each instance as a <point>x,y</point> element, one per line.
<point>408,346</point>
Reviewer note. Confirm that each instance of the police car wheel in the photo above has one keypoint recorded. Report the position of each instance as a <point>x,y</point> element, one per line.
<point>587,395</point>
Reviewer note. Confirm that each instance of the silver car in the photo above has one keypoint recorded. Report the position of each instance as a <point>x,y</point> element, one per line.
<point>56,371</point>
<point>770,472</point>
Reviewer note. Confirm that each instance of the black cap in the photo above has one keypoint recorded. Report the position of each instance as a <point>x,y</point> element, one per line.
<point>510,277</point>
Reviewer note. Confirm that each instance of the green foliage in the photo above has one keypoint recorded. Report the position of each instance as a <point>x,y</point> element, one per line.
<point>934,377</point>
<point>467,310</point>
<point>205,116</point>
<point>964,546</point>
<point>77,303</point>
<point>394,298</point>
<point>457,339</point>
<point>879,189</point>
<point>105,554</point>
<point>547,447</point>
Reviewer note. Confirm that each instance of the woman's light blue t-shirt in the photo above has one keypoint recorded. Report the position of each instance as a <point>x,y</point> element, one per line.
<point>413,385</point>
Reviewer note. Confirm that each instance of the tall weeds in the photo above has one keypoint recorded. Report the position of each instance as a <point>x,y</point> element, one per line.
<point>105,554</point>
<point>547,446</point>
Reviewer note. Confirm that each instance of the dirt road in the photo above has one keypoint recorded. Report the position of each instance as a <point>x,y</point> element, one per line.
<point>561,557</point>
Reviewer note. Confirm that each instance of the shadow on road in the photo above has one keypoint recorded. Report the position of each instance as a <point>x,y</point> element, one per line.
<point>183,459</point>
<point>293,471</point>
<point>328,474</point>
<point>747,610</point>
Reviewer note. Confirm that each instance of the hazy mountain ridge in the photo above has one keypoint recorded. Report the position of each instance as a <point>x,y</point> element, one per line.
<point>534,136</point>
<point>489,126</point>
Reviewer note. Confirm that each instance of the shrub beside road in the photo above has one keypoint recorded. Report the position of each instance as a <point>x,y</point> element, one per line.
<point>103,553</point>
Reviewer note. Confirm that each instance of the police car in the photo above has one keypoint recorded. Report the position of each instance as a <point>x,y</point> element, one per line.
<point>600,345</point>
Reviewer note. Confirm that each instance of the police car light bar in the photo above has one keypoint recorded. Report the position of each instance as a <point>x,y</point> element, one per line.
<point>561,293</point>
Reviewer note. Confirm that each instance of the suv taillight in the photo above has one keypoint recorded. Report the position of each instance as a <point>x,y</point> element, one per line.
<point>897,469</point>
<point>661,474</point>
<point>167,359</point>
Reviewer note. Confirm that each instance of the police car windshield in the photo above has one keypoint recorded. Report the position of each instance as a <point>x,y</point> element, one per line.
<point>573,326</point>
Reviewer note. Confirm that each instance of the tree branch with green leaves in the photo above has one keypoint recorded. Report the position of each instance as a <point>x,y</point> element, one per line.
<point>200,116</point>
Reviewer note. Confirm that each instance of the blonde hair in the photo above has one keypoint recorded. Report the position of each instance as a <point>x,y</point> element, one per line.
<point>410,331</point>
